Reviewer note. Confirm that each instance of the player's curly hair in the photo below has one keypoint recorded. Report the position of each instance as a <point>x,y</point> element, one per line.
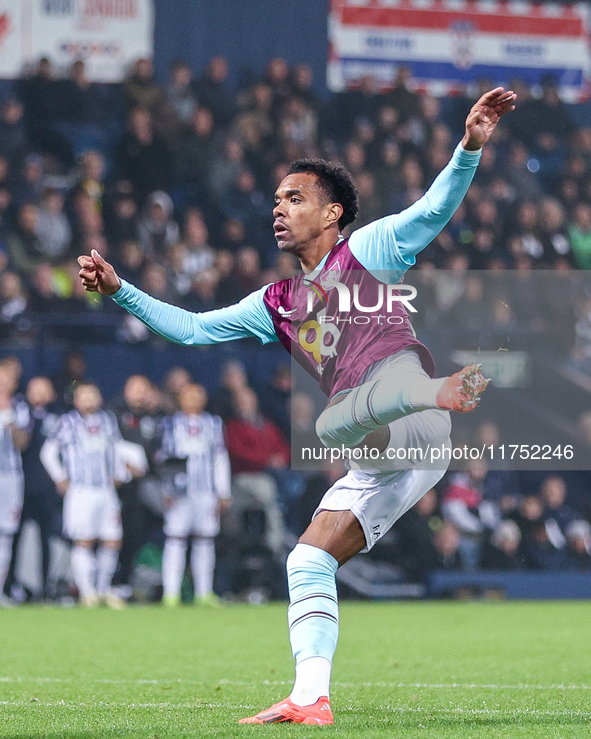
<point>335,182</point>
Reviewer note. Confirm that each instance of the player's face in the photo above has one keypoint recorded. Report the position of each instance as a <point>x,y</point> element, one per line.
<point>301,212</point>
<point>40,392</point>
<point>87,400</point>
<point>192,399</point>
<point>7,382</point>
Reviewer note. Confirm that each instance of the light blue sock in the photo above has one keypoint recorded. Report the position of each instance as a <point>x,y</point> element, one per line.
<point>313,614</point>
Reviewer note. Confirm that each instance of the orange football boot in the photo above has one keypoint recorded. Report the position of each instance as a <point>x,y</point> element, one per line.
<point>286,712</point>
<point>461,392</point>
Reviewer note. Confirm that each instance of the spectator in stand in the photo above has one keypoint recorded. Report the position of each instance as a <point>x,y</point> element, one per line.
<point>122,221</point>
<point>578,538</point>
<point>243,202</point>
<point>302,415</point>
<point>464,506</point>
<point>541,553</point>
<point>180,93</point>
<point>301,82</point>
<point>525,236</point>
<point>446,541</point>
<point>502,552</point>
<point>579,234</point>
<point>226,167</point>
<point>157,230</point>
<point>71,374</point>
<point>554,233</point>
<point>13,299</point>
<point>143,157</point>
<point>92,173</point>
<point>14,142</point>
<point>44,297</point>
<point>550,115</point>
<point>79,100</point>
<point>38,93</point>
<point>30,185</point>
<point>42,503</point>
<point>233,380</point>
<point>53,228</point>
<point>277,77</point>
<point>248,271</point>
<point>416,544</point>
<point>407,103</point>
<point>87,220</point>
<point>24,246</point>
<point>518,175</point>
<point>557,514</point>
<point>275,405</point>
<point>214,93</point>
<point>141,91</point>
<point>255,445</point>
<point>155,282</point>
<point>228,291</point>
<point>194,154</point>
<point>174,381</point>
<point>199,255</point>
<point>298,125</point>
<point>203,293</point>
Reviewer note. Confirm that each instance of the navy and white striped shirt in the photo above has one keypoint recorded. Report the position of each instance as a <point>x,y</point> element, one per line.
<point>87,447</point>
<point>200,440</point>
<point>10,456</point>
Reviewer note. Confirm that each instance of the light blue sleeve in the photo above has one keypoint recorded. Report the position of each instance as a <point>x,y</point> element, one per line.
<point>391,243</point>
<point>248,318</point>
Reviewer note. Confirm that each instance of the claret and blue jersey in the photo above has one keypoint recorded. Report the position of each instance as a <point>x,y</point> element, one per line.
<point>381,251</point>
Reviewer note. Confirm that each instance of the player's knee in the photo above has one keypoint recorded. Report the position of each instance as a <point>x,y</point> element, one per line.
<point>112,544</point>
<point>325,430</point>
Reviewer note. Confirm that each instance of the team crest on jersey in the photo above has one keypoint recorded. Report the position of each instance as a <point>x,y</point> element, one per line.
<point>330,276</point>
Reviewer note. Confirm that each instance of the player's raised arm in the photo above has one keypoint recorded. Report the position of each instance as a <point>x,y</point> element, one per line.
<point>392,242</point>
<point>248,318</point>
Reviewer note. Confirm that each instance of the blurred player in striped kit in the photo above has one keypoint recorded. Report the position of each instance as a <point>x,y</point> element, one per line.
<point>196,468</point>
<point>80,457</point>
<point>14,424</point>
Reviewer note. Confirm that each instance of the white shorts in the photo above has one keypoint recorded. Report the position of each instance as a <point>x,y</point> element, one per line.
<point>11,501</point>
<point>378,500</point>
<point>92,514</point>
<point>379,492</point>
<point>192,516</point>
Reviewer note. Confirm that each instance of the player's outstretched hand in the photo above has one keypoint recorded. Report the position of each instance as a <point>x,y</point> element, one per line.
<point>97,275</point>
<point>484,116</point>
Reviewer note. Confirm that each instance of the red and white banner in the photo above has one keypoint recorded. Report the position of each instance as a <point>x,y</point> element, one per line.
<point>452,44</point>
<point>106,34</point>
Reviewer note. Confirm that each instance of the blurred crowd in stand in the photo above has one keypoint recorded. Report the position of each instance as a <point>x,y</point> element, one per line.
<point>174,185</point>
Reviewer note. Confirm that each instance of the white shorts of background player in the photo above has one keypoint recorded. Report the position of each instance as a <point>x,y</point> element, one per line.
<point>192,515</point>
<point>92,513</point>
<point>11,501</point>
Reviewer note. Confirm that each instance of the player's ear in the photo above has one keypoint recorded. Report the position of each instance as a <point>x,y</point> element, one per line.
<point>334,212</point>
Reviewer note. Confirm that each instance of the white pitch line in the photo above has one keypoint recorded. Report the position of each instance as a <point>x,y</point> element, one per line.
<point>350,709</point>
<point>181,681</point>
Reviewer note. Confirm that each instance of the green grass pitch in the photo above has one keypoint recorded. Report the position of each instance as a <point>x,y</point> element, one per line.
<point>402,670</point>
